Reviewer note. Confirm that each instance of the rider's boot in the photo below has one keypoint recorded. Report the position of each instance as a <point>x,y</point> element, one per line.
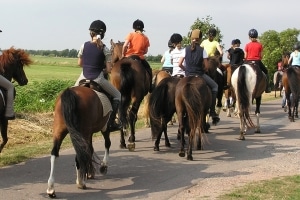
<point>213,113</point>
<point>112,125</point>
<point>268,89</point>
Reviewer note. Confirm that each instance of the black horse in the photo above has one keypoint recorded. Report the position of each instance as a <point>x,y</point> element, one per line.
<point>12,62</point>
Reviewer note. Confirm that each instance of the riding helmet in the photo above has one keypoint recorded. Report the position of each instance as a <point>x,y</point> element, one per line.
<point>170,44</point>
<point>98,27</point>
<point>237,41</point>
<point>212,32</point>
<point>196,34</point>
<point>138,25</point>
<point>297,46</point>
<point>176,38</point>
<point>253,33</point>
<point>0,31</point>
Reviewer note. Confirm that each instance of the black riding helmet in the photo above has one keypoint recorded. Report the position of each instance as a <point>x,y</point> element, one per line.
<point>176,38</point>
<point>138,25</point>
<point>297,46</point>
<point>253,33</point>
<point>170,44</point>
<point>98,27</point>
<point>212,32</point>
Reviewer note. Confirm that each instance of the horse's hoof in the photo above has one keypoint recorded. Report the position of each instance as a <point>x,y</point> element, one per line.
<point>156,148</point>
<point>131,146</point>
<point>257,131</point>
<point>83,187</point>
<point>103,169</point>
<point>182,154</point>
<point>242,137</point>
<point>51,194</point>
<point>167,144</point>
<point>189,157</point>
<point>123,146</point>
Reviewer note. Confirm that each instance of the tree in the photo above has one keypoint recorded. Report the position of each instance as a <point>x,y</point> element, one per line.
<point>276,44</point>
<point>204,25</point>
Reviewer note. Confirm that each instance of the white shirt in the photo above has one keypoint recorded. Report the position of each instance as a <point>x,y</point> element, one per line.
<point>176,54</point>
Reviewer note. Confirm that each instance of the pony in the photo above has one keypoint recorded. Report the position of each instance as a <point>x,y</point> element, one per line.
<point>291,83</point>
<point>158,75</point>
<point>161,109</point>
<point>133,81</point>
<point>12,62</point>
<point>81,112</point>
<point>192,101</point>
<point>229,94</point>
<point>277,78</point>
<point>249,82</point>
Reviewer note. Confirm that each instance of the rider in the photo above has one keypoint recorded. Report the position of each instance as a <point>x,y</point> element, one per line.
<point>94,57</point>
<point>294,59</point>
<point>166,59</point>
<point>9,87</point>
<point>196,62</point>
<point>137,44</point>
<point>177,55</point>
<point>236,54</point>
<point>253,52</point>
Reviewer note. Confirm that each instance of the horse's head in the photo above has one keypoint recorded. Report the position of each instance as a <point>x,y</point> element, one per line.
<point>285,60</point>
<point>12,63</point>
<point>116,50</point>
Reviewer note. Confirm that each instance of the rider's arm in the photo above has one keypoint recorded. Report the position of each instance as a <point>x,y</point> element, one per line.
<point>125,46</point>
<point>80,62</point>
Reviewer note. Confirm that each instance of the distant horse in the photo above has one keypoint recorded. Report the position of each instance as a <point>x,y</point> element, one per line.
<point>162,108</point>
<point>291,83</point>
<point>12,62</point>
<point>230,98</point>
<point>277,79</point>
<point>130,77</point>
<point>192,100</point>
<point>249,82</point>
<point>80,112</point>
<point>158,75</point>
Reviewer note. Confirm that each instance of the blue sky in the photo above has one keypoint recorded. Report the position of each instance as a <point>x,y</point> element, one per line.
<point>63,24</point>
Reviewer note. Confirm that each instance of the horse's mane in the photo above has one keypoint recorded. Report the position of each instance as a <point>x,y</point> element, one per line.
<point>8,57</point>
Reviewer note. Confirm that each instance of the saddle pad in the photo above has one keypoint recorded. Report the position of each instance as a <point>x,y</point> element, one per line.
<point>105,102</point>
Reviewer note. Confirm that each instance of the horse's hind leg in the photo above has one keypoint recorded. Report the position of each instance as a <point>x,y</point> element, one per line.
<point>4,124</point>
<point>104,163</point>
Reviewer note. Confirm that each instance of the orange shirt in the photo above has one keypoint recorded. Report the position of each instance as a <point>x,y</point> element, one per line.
<point>138,44</point>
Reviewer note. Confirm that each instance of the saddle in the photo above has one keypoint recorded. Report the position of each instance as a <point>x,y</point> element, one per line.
<point>94,86</point>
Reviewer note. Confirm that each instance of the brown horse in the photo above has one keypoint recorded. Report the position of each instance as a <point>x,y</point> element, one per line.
<point>192,100</point>
<point>230,98</point>
<point>277,79</point>
<point>130,77</point>
<point>162,108</point>
<point>81,112</point>
<point>249,82</point>
<point>291,83</point>
<point>12,62</point>
<point>158,75</point>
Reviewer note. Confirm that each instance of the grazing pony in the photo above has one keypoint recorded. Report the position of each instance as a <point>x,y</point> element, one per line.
<point>81,112</point>
<point>291,83</point>
<point>131,78</point>
<point>12,62</point>
<point>249,82</point>
<point>192,101</point>
<point>162,108</point>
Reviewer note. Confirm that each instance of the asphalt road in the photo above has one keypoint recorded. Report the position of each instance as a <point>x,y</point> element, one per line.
<point>145,174</point>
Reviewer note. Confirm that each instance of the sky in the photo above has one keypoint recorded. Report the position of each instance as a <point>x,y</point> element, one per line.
<point>64,24</point>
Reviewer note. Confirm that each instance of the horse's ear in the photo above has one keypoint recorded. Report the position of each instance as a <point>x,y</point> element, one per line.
<point>111,41</point>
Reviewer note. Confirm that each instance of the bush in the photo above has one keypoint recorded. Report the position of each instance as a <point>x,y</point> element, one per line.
<point>39,97</point>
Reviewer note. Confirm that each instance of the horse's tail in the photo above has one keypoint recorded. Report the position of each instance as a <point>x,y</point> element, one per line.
<point>194,106</point>
<point>243,95</point>
<point>69,108</point>
<point>293,82</point>
<point>127,78</point>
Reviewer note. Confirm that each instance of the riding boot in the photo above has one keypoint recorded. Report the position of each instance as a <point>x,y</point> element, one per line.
<point>112,125</point>
<point>268,90</point>
<point>213,113</point>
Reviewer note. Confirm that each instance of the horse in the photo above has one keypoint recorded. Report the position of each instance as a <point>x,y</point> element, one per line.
<point>12,62</point>
<point>229,94</point>
<point>130,77</point>
<point>192,101</point>
<point>277,80</point>
<point>161,109</point>
<point>249,82</point>
<point>291,83</point>
<point>81,112</point>
<point>158,75</point>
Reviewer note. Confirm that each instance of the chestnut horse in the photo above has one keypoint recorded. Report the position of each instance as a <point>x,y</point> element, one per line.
<point>291,83</point>
<point>249,82</point>
<point>192,101</point>
<point>130,77</point>
<point>277,79</point>
<point>80,112</point>
<point>12,62</point>
<point>230,98</point>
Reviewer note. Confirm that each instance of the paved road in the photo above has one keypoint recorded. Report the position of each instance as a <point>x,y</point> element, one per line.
<point>145,174</point>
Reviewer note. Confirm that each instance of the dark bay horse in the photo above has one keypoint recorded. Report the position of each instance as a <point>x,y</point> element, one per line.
<point>277,78</point>
<point>249,82</point>
<point>130,77</point>
<point>161,109</point>
<point>192,101</point>
<point>12,62</point>
<point>291,83</point>
<point>80,112</point>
